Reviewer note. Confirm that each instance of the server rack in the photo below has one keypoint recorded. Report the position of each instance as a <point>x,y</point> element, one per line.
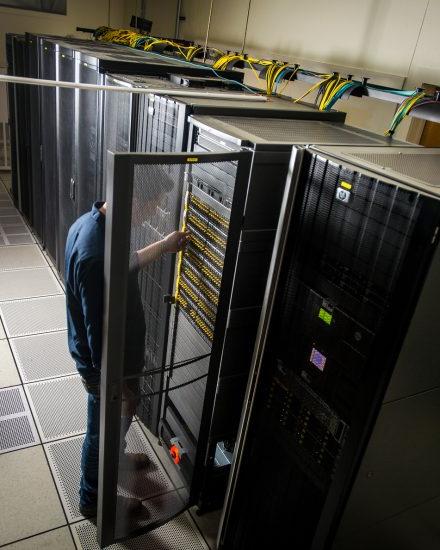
<point>205,422</point>
<point>67,154</point>
<point>34,138</point>
<point>80,152</point>
<point>343,400</point>
<point>48,141</point>
<point>41,64</point>
<point>158,123</point>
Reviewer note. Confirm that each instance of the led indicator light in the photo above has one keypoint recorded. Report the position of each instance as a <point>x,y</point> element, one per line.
<point>346,185</point>
<point>175,454</point>
<point>325,316</point>
<point>318,359</point>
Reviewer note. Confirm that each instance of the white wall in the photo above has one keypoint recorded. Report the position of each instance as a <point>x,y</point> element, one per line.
<point>161,12</point>
<point>398,38</point>
<point>82,13</point>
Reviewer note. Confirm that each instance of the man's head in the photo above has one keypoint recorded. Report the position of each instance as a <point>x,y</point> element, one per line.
<point>151,185</point>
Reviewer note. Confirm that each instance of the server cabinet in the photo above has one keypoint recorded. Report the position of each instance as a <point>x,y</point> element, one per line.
<point>80,141</point>
<point>67,160</point>
<point>270,141</point>
<point>88,129</point>
<point>49,162</point>
<point>168,126</point>
<point>343,403</point>
<point>159,123</point>
<point>142,188</point>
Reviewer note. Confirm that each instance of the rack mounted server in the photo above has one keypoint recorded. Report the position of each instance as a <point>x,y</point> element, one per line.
<point>159,123</point>
<point>203,417</point>
<point>340,425</point>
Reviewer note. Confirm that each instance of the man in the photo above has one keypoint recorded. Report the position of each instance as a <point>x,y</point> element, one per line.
<point>84,279</point>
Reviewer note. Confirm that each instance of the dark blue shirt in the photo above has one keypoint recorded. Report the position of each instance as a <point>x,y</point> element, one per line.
<point>84,278</point>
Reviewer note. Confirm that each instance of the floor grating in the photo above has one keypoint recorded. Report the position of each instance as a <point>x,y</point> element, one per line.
<point>34,315</point>
<point>33,361</point>
<point>64,458</point>
<point>17,429</point>
<point>21,257</point>
<point>179,534</point>
<point>59,406</point>
<point>18,284</point>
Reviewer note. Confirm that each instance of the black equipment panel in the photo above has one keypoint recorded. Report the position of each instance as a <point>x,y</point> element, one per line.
<point>353,253</point>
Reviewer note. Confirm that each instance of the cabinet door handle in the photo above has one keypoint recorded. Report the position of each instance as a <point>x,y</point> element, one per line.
<point>72,189</point>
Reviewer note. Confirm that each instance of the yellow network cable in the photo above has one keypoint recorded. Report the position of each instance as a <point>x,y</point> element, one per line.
<point>328,91</point>
<point>179,261</point>
<point>325,80</point>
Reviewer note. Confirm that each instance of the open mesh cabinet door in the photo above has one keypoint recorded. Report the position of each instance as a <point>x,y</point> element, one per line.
<point>181,299</point>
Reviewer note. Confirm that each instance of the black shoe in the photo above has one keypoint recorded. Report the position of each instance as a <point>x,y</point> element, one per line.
<point>88,511</point>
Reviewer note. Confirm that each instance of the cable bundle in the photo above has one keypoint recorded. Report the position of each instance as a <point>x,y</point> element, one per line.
<point>225,60</point>
<point>335,91</point>
<point>276,73</point>
<point>145,42</point>
<point>326,79</point>
<point>331,87</point>
<point>417,99</point>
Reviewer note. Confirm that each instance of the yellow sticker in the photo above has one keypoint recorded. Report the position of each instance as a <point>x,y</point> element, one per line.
<point>192,159</point>
<point>345,185</point>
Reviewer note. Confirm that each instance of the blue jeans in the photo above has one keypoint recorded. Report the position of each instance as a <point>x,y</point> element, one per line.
<point>90,451</point>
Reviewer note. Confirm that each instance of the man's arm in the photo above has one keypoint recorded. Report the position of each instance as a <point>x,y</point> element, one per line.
<point>91,287</point>
<point>174,242</point>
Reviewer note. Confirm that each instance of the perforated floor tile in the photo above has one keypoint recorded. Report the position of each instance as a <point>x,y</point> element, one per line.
<point>43,356</point>
<point>178,534</point>
<point>143,484</point>
<point>59,406</point>
<point>16,229</point>
<point>20,257</point>
<point>20,239</point>
<point>28,283</point>
<point>11,220</point>
<point>17,429</point>
<point>64,458</point>
<point>34,315</point>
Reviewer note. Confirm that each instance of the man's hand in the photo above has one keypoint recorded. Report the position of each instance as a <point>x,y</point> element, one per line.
<point>175,241</point>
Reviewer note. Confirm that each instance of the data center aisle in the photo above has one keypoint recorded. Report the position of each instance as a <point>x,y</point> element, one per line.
<point>43,414</point>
